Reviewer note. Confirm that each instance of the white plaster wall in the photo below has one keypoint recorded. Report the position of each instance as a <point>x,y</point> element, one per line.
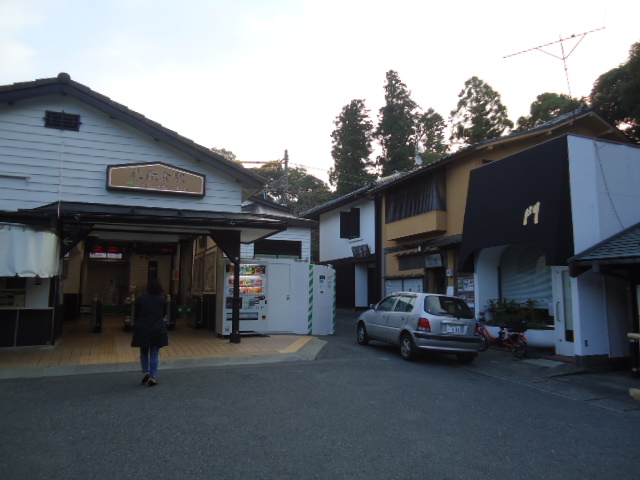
<point>485,278</point>
<point>302,235</point>
<point>604,189</point>
<point>591,335</point>
<point>332,247</point>
<point>604,199</point>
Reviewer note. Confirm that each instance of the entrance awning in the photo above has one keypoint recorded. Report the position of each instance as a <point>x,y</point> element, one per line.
<point>523,198</point>
<point>75,220</point>
<point>28,251</point>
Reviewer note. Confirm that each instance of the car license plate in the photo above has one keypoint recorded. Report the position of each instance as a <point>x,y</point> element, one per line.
<point>457,329</point>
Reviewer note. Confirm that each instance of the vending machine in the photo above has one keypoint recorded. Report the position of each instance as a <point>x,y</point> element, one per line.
<point>253,309</point>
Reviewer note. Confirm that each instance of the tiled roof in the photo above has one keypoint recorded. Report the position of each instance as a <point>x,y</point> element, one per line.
<point>623,245</point>
<point>63,84</point>
<point>582,112</point>
<point>350,197</point>
<point>382,184</point>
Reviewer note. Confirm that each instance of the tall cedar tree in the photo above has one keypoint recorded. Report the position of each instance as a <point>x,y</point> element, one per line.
<point>351,149</point>
<point>432,127</point>
<point>617,94</point>
<point>396,127</point>
<point>480,114</point>
<point>547,107</point>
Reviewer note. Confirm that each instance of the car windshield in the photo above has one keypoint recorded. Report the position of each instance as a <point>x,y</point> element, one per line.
<point>455,307</point>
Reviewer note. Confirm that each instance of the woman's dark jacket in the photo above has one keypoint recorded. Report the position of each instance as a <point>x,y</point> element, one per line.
<point>150,329</point>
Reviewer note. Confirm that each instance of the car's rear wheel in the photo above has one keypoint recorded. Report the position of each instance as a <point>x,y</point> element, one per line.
<point>407,347</point>
<point>466,357</point>
<point>361,334</point>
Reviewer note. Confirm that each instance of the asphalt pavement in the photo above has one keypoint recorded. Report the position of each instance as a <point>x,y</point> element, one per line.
<point>605,387</point>
<point>330,409</point>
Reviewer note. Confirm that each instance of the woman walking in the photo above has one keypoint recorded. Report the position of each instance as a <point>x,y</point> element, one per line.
<point>150,332</point>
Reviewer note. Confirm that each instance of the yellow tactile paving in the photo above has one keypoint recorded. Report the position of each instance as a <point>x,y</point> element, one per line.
<point>297,345</point>
<point>80,346</point>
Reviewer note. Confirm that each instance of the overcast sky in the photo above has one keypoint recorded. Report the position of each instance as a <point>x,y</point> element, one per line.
<point>260,76</point>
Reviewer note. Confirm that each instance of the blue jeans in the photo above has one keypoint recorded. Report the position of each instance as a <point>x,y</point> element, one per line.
<point>150,360</point>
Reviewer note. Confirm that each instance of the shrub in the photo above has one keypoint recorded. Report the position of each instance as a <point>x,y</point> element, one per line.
<point>507,311</point>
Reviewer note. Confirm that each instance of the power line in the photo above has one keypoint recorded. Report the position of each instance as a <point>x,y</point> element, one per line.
<point>259,161</point>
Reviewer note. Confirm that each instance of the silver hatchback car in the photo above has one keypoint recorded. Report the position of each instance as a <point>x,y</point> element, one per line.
<point>421,321</point>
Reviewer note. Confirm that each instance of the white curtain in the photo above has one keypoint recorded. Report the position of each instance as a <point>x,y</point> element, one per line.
<point>28,252</point>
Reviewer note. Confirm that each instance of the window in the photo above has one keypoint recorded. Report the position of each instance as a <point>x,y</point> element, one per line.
<point>419,261</point>
<point>437,305</point>
<point>405,304</point>
<point>62,121</point>
<point>350,224</point>
<point>411,262</point>
<point>417,198</point>
<point>386,305</point>
<point>277,249</point>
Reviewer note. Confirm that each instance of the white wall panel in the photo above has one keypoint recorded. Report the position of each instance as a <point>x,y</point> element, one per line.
<point>302,235</point>
<point>332,247</point>
<point>604,191</point>
<point>41,165</point>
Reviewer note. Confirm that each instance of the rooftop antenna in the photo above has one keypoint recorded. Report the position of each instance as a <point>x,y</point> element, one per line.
<point>540,48</point>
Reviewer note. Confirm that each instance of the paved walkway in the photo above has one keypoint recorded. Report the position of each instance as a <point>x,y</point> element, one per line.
<point>80,350</point>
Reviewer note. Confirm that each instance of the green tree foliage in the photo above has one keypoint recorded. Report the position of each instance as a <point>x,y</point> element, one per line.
<point>228,154</point>
<point>547,106</point>
<point>480,114</point>
<point>396,127</point>
<point>616,94</point>
<point>431,128</point>
<point>296,188</point>
<point>351,149</point>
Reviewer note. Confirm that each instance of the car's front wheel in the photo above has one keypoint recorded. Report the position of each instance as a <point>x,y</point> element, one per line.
<point>361,334</point>
<point>407,347</point>
<point>466,357</point>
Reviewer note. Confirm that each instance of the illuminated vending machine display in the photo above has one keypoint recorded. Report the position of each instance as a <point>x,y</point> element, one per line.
<point>253,310</point>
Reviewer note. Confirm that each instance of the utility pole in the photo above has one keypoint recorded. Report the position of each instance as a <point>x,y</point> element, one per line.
<point>564,57</point>
<point>285,186</point>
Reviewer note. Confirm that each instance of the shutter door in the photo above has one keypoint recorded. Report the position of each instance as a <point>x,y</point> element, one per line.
<point>524,275</point>
<point>392,285</point>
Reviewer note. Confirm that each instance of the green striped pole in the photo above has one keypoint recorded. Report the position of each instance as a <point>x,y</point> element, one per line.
<point>334,303</point>
<point>310,317</point>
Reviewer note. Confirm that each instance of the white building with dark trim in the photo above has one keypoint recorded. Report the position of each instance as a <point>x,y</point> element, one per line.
<point>95,199</point>
<point>532,223</point>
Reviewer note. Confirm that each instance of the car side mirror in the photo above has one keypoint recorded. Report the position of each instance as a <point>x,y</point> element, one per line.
<point>372,306</point>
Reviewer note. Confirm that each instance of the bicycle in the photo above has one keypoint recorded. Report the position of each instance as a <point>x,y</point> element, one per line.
<point>511,335</point>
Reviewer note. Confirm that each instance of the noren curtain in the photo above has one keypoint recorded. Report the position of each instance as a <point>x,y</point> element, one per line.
<point>28,252</point>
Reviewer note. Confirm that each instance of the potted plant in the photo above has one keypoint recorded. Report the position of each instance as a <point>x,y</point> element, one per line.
<point>540,330</point>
